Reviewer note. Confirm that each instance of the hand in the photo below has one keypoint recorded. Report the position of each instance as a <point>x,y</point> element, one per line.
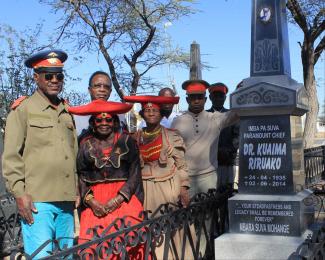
<point>184,196</point>
<point>26,207</point>
<point>77,202</point>
<point>114,203</point>
<point>97,208</point>
<point>78,198</point>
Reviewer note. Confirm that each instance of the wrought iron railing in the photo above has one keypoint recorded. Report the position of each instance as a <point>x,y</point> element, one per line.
<point>314,164</point>
<point>315,177</point>
<point>204,219</point>
<point>313,248</point>
<point>10,238</point>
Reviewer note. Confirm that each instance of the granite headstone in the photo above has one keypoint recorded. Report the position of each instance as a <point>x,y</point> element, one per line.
<point>269,103</point>
<point>265,155</point>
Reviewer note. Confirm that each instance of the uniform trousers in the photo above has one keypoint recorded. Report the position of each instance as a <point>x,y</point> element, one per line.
<point>53,220</point>
<point>203,182</point>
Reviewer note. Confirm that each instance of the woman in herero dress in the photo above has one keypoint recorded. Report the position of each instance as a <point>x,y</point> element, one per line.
<point>109,170</point>
<point>164,171</point>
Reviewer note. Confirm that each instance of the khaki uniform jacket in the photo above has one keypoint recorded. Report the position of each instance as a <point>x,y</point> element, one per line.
<point>40,151</point>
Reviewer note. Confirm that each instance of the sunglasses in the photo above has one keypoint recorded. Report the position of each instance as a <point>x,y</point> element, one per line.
<point>100,120</point>
<point>49,76</point>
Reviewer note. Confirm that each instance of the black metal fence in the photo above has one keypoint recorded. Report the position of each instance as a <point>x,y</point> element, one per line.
<point>204,220</point>
<point>313,248</point>
<point>10,237</point>
<point>314,165</point>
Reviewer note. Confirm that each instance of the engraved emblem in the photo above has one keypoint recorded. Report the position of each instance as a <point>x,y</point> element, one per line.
<point>53,60</point>
<point>265,14</point>
<point>263,96</point>
<point>52,55</point>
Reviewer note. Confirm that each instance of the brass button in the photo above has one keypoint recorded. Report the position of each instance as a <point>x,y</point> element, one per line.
<point>67,175</point>
<point>66,157</point>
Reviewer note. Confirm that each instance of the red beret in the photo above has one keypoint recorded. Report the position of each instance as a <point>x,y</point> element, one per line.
<point>101,106</point>
<point>196,86</point>
<point>218,87</point>
<point>155,100</point>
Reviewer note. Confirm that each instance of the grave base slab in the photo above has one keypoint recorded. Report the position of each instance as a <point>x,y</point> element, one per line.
<point>232,246</point>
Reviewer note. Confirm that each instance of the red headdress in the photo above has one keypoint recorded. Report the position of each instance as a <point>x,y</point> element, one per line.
<point>218,87</point>
<point>100,106</point>
<point>151,101</point>
<point>196,86</point>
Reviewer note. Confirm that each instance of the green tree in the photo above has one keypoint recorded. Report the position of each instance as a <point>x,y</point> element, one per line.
<point>309,16</point>
<point>128,33</point>
<point>16,80</point>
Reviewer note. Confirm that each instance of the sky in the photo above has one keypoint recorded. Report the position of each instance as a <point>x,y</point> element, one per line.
<point>222,28</point>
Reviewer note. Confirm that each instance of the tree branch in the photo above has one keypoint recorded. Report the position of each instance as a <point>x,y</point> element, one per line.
<point>111,67</point>
<point>86,20</point>
<point>318,30</point>
<point>298,15</point>
<point>319,49</point>
<point>63,28</point>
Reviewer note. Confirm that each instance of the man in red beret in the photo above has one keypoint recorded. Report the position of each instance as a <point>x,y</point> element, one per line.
<point>200,131</point>
<point>39,158</point>
<point>229,136</point>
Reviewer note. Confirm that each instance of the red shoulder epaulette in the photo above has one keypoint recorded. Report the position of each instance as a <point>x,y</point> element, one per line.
<point>66,102</point>
<point>17,102</point>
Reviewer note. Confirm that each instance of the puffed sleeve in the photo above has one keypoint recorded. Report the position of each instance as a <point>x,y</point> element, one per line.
<point>134,182</point>
<point>178,154</point>
<point>83,167</point>
<point>13,167</point>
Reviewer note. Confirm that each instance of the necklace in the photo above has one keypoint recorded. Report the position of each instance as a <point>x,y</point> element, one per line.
<point>152,133</point>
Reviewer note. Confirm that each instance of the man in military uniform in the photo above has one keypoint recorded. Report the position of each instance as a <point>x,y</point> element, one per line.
<point>229,136</point>
<point>40,155</point>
